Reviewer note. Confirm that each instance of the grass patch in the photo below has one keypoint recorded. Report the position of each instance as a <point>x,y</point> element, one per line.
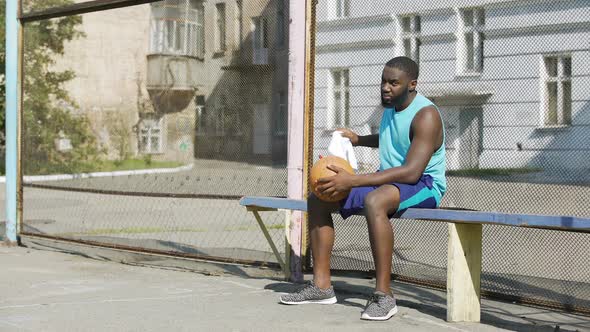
<point>133,164</point>
<point>147,230</point>
<point>492,171</point>
<point>135,230</point>
<point>251,228</point>
<point>275,226</point>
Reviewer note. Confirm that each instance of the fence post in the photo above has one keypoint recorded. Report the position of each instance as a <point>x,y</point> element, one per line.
<point>13,48</point>
<point>296,140</point>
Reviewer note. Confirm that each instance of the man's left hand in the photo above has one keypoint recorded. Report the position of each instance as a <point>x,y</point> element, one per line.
<point>334,185</point>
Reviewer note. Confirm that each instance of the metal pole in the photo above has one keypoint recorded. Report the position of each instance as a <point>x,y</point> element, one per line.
<point>297,63</point>
<point>309,120</point>
<point>12,94</point>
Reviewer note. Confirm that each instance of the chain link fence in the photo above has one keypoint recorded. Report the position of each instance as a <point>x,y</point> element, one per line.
<point>144,124</point>
<point>512,82</point>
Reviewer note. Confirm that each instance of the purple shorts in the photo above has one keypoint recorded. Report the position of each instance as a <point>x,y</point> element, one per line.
<point>418,195</point>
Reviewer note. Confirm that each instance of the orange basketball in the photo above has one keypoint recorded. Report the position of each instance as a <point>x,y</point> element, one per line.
<point>320,170</point>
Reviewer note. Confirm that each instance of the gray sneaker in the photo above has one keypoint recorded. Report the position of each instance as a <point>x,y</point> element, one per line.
<point>310,293</point>
<point>380,306</point>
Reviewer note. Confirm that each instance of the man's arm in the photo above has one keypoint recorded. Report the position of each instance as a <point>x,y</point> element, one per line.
<point>371,141</point>
<point>427,137</point>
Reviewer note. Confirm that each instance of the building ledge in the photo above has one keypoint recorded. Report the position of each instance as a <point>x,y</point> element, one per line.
<point>354,21</point>
<point>456,98</point>
<point>246,67</point>
<point>551,128</point>
<point>150,55</point>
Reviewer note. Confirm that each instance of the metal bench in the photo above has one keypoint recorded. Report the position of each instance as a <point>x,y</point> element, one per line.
<point>464,243</point>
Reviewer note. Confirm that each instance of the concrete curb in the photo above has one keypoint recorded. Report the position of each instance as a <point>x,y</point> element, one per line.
<point>61,177</point>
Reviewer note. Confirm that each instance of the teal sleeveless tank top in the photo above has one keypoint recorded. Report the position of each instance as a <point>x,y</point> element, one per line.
<point>394,142</point>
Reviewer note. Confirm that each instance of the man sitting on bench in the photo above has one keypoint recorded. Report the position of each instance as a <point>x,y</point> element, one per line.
<point>412,174</point>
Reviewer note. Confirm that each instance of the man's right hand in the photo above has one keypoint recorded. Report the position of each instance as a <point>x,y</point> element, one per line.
<point>354,138</point>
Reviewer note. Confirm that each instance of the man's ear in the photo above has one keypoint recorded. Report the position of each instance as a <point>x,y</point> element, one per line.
<point>412,85</point>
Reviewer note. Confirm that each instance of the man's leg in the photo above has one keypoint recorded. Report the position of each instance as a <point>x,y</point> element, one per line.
<point>380,203</point>
<point>321,229</point>
<point>322,240</point>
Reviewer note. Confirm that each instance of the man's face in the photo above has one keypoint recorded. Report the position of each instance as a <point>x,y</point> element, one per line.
<point>395,86</point>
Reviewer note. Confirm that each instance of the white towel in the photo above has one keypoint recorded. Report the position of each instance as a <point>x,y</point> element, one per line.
<point>342,147</point>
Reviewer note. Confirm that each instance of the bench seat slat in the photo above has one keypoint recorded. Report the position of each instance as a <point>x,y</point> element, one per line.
<point>274,203</point>
<point>500,218</point>
<point>458,216</point>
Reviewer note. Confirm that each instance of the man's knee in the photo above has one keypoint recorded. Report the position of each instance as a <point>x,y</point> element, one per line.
<point>314,204</point>
<point>373,202</point>
<point>379,202</point>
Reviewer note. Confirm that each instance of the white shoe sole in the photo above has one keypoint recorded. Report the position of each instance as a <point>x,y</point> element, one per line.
<point>386,317</point>
<point>331,300</point>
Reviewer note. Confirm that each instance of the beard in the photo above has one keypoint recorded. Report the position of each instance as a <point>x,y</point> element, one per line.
<point>395,99</point>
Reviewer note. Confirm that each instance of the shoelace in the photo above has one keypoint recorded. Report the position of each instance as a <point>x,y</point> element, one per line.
<point>374,299</point>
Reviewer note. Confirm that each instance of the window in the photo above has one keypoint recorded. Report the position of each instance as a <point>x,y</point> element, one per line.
<point>556,73</point>
<point>220,27</point>
<point>150,135</point>
<point>177,28</point>
<point>238,24</point>
<point>282,115</point>
<point>260,40</point>
<point>260,33</point>
<point>339,8</point>
<point>201,116</point>
<point>470,40</point>
<point>280,23</point>
<point>408,37</point>
<point>338,103</point>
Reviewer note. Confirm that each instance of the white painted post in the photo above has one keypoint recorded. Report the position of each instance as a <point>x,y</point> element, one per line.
<point>463,273</point>
<point>296,109</point>
<point>12,102</point>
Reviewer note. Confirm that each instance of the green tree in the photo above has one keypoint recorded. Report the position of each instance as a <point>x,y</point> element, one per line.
<point>47,104</point>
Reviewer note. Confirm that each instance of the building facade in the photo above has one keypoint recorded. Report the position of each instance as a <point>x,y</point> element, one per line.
<point>184,79</point>
<point>512,78</point>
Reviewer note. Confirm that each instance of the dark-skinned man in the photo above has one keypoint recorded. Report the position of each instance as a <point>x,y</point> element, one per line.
<point>412,174</point>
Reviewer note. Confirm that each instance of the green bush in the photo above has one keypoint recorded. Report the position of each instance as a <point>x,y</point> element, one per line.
<point>45,115</point>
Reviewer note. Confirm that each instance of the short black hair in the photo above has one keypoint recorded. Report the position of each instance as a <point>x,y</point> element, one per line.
<point>406,65</point>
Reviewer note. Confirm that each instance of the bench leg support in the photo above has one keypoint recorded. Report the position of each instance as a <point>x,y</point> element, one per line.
<point>284,267</point>
<point>287,269</point>
<point>463,273</point>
